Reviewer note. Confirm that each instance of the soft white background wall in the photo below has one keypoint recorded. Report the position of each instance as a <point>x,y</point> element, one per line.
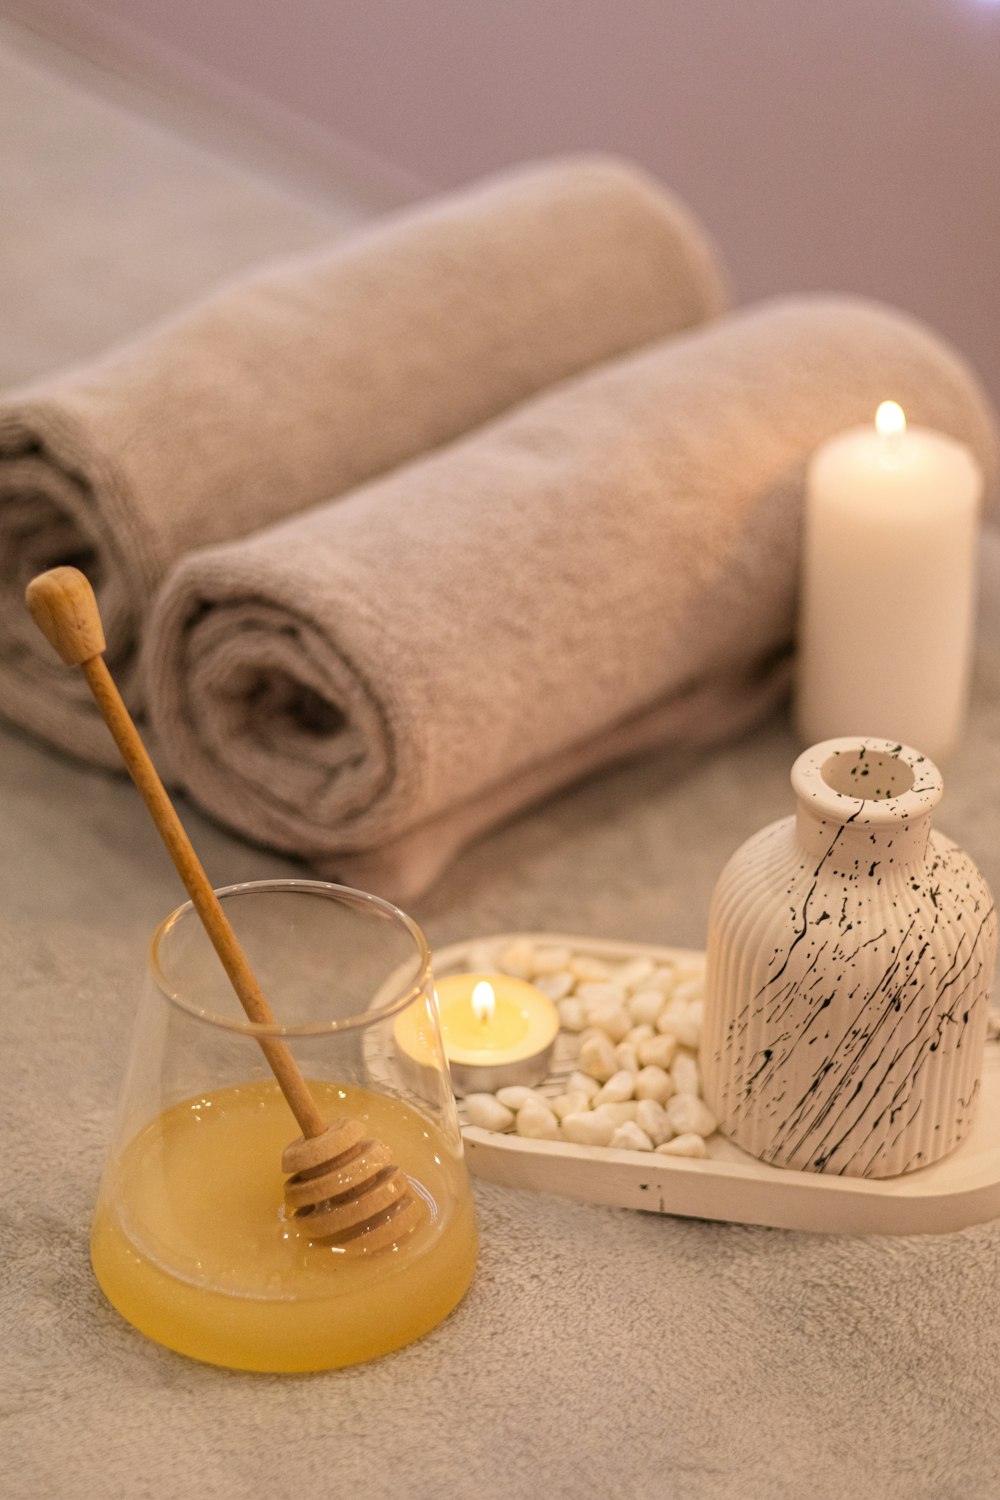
<point>832,144</point>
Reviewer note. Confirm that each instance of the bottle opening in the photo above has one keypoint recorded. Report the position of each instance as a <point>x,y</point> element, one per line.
<point>871,774</point>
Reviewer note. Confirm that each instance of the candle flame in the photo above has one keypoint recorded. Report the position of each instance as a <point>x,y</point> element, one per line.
<point>483,1002</point>
<point>890,420</point>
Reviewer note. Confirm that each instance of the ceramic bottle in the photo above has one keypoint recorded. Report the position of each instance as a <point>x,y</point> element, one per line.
<point>850,962</point>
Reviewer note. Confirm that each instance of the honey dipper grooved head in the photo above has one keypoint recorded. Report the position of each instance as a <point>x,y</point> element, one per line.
<point>344,1189</point>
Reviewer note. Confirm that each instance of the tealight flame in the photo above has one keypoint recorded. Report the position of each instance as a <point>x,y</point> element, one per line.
<point>484,1002</point>
<point>890,420</point>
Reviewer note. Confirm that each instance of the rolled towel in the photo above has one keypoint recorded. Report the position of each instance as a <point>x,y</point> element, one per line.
<point>291,387</point>
<point>609,567</point>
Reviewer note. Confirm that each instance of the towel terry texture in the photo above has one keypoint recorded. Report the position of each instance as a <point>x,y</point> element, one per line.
<point>291,387</point>
<point>610,566</point>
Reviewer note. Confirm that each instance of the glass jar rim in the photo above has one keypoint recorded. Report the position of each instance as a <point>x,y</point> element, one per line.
<point>242,1025</point>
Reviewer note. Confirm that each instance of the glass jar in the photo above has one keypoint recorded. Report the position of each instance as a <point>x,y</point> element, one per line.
<point>192,1241</point>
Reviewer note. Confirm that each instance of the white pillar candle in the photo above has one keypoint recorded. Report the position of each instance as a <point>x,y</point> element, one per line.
<point>887,616</point>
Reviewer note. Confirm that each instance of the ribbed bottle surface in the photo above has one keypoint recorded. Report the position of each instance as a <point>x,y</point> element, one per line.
<point>846,1001</point>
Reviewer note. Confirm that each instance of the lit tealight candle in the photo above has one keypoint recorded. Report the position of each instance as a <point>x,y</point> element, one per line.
<point>496,1031</point>
<point>887,612</point>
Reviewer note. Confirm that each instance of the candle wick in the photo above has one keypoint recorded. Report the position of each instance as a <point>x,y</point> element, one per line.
<point>892,443</point>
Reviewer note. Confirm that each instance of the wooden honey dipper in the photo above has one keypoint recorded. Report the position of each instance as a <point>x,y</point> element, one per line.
<point>343,1186</point>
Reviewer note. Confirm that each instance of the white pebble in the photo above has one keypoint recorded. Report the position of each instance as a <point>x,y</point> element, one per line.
<point>488,1113</point>
<point>654,1083</point>
<point>600,992</point>
<point>618,1113</point>
<point>628,1058</point>
<point>588,1129</point>
<point>657,1051</point>
<point>662,979</point>
<point>635,972</point>
<point>629,1137</point>
<point>684,1072</point>
<point>645,1006</point>
<point>639,1034</point>
<point>555,986</point>
<point>537,1123</point>
<point>652,1118</point>
<point>551,961</point>
<point>668,1015</point>
<point>571,1015</point>
<point>573,1103</point>
<point>619,1087</point>
<point>689,989</point>
<point>516,1096</point>
<point>586,967</point>
<point>613,1020</point>
<point>690,1116</point>
<point>519,959</point>
<point>681,1025</point>
<point>582,1083</point>
<point>597,1057</point>
<point>683,1145</point>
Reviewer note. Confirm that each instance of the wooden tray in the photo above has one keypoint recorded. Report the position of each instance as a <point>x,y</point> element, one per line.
<point>961,1189</point>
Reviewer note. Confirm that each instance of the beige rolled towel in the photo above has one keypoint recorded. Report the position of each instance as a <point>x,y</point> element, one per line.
<point>611,566</point>
<point>291,387</point>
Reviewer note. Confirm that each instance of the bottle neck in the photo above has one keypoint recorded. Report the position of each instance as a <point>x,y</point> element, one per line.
<point>864,803</point>
<point>853,845</point>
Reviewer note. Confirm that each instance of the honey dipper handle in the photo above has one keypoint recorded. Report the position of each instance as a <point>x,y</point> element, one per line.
<point>63,606</point>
